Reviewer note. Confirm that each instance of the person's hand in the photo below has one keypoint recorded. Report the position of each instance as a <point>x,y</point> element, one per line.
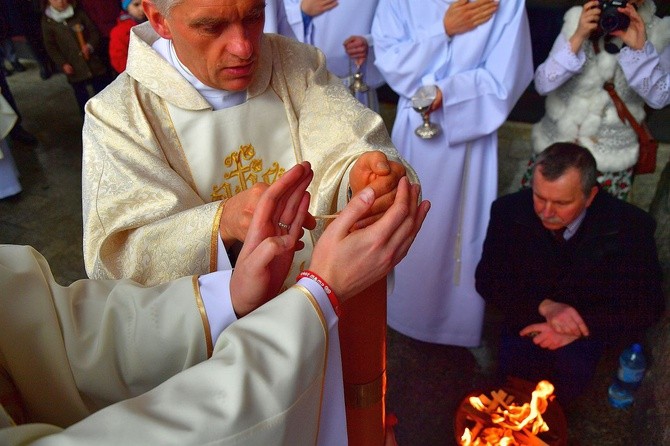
<point>350,261</point>
<point>546,337</point>
<point>268,250</point>
<point>314,8</point>
<point>356,48</point>
<point>86,51</point>
<point>437,103</point>
<point>374,169</point>
<point>588,22</point>
<point>563,318</point>
<point>238,211</point>
<point>464,15</point>
<point>635,35</point>
<point>68,69</point>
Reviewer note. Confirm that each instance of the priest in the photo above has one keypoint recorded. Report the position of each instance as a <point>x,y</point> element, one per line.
<point>209,112</point>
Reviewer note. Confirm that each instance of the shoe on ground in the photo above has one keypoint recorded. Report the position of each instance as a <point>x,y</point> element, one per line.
<point>18,67</point>
<point>45,72</point>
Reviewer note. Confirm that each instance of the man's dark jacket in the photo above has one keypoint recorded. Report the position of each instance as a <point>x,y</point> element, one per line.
<point>608,271</point>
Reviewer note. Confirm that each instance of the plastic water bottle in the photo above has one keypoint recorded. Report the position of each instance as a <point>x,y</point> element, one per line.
<point>632,365</point>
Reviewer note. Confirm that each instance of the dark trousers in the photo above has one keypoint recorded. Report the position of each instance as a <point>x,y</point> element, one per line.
<point>81,92</point>
<point>570,368</point>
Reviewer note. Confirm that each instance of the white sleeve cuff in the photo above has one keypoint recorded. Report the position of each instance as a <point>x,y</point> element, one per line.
<point>322,299</point>
<point>215,294</point>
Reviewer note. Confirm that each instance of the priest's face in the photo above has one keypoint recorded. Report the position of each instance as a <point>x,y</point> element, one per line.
<point>558,203</point>
<point>217,40</point>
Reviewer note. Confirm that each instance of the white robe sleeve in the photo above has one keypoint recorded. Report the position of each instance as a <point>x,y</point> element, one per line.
<point>263,385</point>
<point>559,67</point>
<point>648,73</point>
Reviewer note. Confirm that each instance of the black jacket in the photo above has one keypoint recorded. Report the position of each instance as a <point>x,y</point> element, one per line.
<point>608,271</point>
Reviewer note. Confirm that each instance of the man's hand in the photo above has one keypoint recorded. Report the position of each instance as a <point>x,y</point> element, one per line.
<point>463,15</point>
<point>268,250</point>
<point>314,8</point>
<point>238,211</point>
<point>563,318</point>
<point>437,103</point>
<point>357,49</point>
<point>374,169</point>
<point>352,261</point>
<point>68,69</point>
<point>546,337</point>
<point>588,22</point>
<point>635,35</point>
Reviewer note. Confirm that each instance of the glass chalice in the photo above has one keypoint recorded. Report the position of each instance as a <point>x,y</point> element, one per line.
<point>421,102</point>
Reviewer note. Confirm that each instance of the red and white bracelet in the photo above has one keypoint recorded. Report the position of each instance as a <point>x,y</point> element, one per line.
<point>334,301</point>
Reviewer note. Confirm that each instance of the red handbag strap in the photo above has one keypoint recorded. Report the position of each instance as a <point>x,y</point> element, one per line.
<point>621,109</point>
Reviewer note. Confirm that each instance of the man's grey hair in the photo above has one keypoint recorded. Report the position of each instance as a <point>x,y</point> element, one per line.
<point>556,159</point>
<point>165,6</point>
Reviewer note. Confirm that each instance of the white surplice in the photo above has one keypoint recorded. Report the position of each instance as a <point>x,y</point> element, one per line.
<point>9,175</point>
<point>114,362</point>
<point>481,74</point>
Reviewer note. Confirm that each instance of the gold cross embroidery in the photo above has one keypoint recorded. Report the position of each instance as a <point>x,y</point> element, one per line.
<point>244,176</point>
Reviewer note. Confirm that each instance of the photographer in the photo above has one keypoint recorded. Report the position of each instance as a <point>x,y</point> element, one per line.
<point>616,41</point>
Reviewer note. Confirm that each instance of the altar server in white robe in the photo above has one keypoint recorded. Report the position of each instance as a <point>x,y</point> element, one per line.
<point>341,29</point>
<point>275,19</point>
<point>9,175</point>
<point>110,362</point>
<point>479,56</point>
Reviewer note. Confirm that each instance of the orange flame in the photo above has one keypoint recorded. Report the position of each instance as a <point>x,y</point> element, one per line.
<point>510,418</point>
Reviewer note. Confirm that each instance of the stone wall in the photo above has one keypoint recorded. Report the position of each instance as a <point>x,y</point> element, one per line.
<point>652,409</point>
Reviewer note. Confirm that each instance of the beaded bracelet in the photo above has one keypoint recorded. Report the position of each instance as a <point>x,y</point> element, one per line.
<point>334,301</point>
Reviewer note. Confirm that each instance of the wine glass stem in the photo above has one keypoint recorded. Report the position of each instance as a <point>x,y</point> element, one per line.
<point>426,119</point>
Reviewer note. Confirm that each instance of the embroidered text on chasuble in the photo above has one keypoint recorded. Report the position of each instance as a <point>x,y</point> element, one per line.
<point>230,150</point>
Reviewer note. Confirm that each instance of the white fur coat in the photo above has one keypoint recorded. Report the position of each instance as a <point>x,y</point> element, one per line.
<point>581,111</point>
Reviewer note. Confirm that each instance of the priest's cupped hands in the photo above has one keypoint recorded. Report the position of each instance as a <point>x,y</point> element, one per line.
<point>375,170</point>
<point>350,261</point>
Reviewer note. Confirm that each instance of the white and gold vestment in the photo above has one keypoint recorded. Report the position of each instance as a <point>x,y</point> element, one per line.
<point>144,217</point>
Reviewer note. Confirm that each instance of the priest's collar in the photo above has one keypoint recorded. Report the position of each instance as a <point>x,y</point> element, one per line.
<point>218,99</point>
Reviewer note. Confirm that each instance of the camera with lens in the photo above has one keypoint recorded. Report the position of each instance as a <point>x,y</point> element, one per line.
<point>610,18</point>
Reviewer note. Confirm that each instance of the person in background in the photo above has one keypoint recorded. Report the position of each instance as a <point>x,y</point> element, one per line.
<point>22,19</point>
<point>478,55</point>
<point>9,175</point>
<point>72,41</point>
<point>341,29</point>
<point>104,14</point>
<point>17,132</point>
<point>118,363</point>
<point>579,109</point>
<point>572,269</point>
<point>275,19</point>
<point>119,36</point>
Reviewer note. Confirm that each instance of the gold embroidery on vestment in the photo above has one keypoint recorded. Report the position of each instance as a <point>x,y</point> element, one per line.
<point>242,175</point>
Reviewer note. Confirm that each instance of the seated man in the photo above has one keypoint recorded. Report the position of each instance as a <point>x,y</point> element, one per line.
<point>571,268</point>
<point>112,362</point>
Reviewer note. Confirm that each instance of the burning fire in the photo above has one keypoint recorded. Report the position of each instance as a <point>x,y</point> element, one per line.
<point>501,422</point>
